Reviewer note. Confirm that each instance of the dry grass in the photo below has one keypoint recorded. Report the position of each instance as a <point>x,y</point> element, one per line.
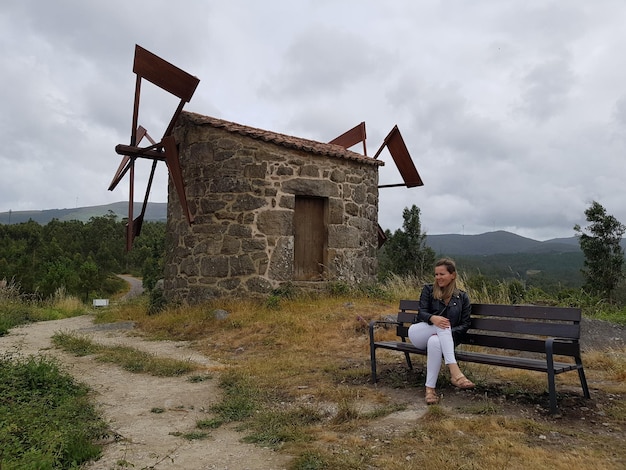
<point>308,360</point>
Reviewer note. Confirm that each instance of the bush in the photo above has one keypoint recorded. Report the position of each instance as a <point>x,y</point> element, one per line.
<point>157,301</point>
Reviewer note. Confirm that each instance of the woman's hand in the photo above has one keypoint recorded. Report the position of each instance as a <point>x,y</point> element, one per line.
<point>440,322</point>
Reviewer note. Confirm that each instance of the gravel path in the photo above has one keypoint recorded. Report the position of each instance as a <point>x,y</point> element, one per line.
<point>141,438</point>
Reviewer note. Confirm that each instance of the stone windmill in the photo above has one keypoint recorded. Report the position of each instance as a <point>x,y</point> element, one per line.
<point>267,208</point>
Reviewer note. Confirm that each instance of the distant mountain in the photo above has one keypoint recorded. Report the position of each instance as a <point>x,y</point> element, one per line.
<point>499,242</point>
<point>155,211</point>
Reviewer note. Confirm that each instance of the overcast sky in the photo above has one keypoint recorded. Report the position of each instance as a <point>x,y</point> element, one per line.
<point>514,111</point>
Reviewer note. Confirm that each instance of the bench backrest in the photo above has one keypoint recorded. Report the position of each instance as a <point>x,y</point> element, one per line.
<point>407,315</point>
<point>525,327</point>
<point>517,327</point>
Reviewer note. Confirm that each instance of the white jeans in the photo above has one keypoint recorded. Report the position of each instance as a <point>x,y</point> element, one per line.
<point>438,342</point>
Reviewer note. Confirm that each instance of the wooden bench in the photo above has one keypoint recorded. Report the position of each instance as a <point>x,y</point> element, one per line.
<point>502,329</point>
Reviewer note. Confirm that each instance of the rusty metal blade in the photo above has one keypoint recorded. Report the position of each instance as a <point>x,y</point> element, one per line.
<point>123,168</point>
<point>400,154</point>
<point>382,238</point>
<point>137,223</point>
<point>163,74</point>
<point>173,164</point>
<point>119,174</point>
<point>352,137</point>
<point>130,232</point>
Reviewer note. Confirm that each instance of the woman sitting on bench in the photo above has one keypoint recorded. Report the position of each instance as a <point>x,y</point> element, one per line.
<point>444,314</point>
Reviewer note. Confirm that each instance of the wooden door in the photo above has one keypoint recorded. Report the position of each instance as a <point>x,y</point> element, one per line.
<point>309,238</point>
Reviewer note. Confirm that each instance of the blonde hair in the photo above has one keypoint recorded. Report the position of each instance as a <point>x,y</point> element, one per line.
<point>446,292</point>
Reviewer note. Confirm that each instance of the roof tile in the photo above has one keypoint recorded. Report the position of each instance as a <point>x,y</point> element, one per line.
<point>311,146</point>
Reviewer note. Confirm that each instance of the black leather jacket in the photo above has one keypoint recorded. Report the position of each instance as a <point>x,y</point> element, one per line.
<point>457,311</point>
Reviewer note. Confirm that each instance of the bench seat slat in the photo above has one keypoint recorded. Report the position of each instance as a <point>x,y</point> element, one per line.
<point>483,358</point>
<point>565,348</point>
<point>399,346</point>
<point>514,362</point>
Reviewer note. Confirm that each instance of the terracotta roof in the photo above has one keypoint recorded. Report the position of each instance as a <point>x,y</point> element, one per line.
<point>312,146</point>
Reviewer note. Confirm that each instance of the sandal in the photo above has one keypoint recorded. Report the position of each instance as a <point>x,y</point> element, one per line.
<point>431,396</point>
<point>462,382</point>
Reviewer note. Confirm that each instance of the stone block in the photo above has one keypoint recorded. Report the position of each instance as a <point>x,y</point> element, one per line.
<point>275,222</point>
<point>214,266</point>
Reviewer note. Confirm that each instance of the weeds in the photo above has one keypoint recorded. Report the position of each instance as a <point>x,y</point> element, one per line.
<point>130,359</point>
<point>211,423</point>
<point>239,401</point>
<point>46,418</point>
<point>273,428</point>
<point>199,378</point>
<point>190,436</point>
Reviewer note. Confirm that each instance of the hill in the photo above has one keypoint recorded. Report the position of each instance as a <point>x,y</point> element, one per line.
<point>550,265</point>
<point>155,211</point>
<point>499,242</point>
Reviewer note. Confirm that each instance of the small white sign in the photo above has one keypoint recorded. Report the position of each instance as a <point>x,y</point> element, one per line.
<point>100,302</point>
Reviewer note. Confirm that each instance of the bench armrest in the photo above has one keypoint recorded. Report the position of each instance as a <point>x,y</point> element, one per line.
<point>374,323</point>
<point>388,322</point>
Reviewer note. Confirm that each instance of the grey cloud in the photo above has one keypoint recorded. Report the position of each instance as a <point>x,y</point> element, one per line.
<point>513,111</point>
<point>546,88</point>
<point>322,59</point>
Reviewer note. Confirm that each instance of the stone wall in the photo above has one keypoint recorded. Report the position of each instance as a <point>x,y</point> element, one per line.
<point>242,191</point>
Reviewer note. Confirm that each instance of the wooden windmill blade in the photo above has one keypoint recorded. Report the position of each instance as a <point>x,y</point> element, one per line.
<point>352,137</point>
<point>124,164</point>
<point>166,76</point>
<point>176,81</point>
<point>173,164</point>
<point>138,222</point>
<point>400,154</point>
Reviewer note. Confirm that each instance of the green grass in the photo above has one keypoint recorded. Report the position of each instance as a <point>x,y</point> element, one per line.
<point>272,428</point>
<point>240,399</point>
<point>210,423</point>
<point>191,436</point>
<point>46,418</point>
<point>129,359</point>
<point>617,315</point>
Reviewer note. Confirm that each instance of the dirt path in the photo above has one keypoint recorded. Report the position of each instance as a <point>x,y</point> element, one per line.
<point>142,438</point>
<point>135,286</point>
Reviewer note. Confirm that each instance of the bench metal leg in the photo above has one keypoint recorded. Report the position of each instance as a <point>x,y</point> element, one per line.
<point>408,360</point>
<point>551,379</point>
<point>552,390</point>
<point>583,380</point>
<point>373,362</point>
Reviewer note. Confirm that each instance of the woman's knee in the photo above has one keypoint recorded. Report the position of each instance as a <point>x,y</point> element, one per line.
<point>434,343</point>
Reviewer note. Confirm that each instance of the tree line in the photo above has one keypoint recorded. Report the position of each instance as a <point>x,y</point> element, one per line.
<point>79,257</point>
<point>405,252</point>
<point>83,257</point>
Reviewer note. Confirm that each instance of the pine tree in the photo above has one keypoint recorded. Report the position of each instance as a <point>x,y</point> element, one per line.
<point>405,252</point>
<point>604,256</point>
